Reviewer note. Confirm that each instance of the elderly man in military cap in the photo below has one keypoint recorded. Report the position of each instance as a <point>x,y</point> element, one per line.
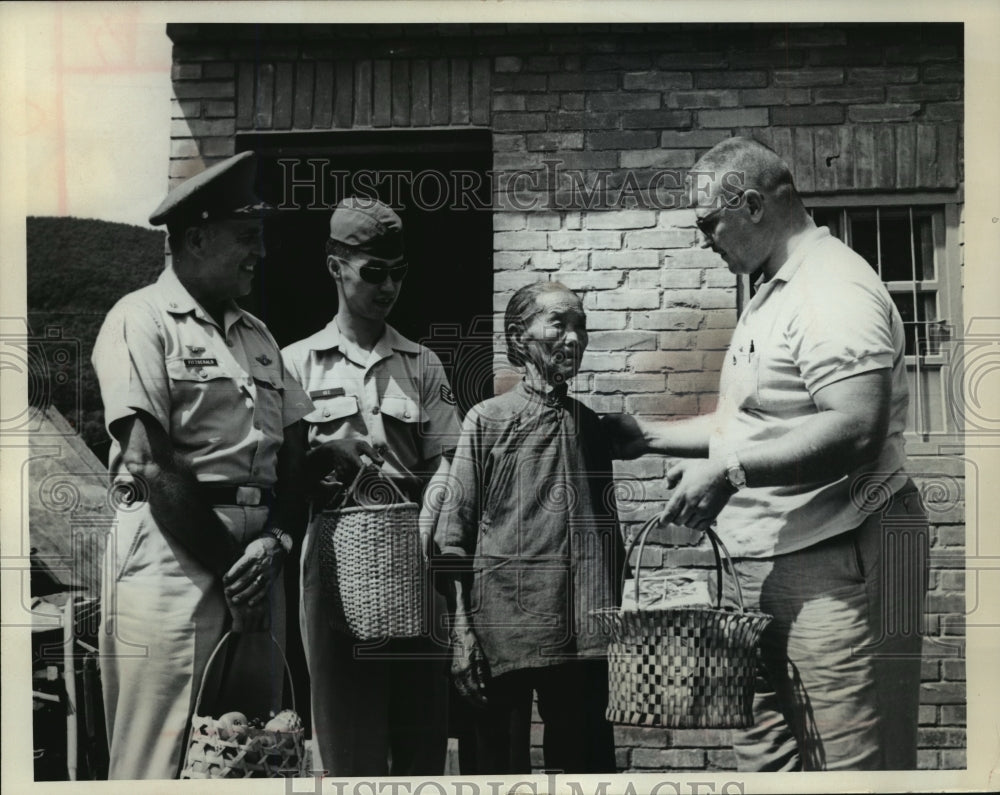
<point>199,408</point>
<point>376,394</point>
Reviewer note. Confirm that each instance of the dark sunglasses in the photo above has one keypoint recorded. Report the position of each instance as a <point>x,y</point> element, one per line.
<point>707,223</point>
<point>375,274</point>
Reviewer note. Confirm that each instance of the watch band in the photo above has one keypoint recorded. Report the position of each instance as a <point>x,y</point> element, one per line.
<point>283,538</point>
<point>735,473</point>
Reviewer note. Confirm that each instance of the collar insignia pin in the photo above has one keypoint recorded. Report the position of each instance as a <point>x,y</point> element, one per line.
<point>264,359</point>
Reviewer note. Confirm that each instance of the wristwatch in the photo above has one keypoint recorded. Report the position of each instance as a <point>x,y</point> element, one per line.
<point>735,473</point>
<point>279,535</point>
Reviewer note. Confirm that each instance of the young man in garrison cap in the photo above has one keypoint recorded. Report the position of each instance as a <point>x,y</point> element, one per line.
<point>376,394</point>
<point>199,408</point>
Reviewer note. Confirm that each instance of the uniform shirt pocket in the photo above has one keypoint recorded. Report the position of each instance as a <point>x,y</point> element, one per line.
<point>332,409</point>
<point>205,395</point>
<point>402,408</point>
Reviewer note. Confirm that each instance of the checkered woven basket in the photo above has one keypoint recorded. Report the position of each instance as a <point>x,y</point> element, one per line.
<point>370,563</point>
<point>253,753</point>
<point>683,667</point>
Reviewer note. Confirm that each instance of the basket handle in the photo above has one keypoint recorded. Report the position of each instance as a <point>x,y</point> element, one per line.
<point>367,463</point>
<point>215,652</point>
<point>717,547</point>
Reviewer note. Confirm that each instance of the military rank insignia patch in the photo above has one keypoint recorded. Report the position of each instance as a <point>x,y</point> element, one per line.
<point>447,395</point>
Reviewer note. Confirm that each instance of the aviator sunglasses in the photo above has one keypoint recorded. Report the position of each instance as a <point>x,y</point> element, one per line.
<point>375,274</point>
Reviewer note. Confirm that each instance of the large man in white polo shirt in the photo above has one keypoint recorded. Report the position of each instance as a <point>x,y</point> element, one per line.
<point>801,469</point>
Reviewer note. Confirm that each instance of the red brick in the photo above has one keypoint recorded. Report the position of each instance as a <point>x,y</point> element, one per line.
<point>198,128</point>
<point>924,93</point>
<point>624,260</point>
<point>692,139</point>
<point>623,299</point>
<point>681,383</point>
<point>534,102</point>
<point>667,361</point>
<point>941,738</point>
<point>719,318</point>
<point>572,120</point>
<point>656,81</point>
<point>942,692</point>
<point>677,340</point>
<point>185,108</point>
<point>508,64</point>
<point>508,221</point>
<point>702,738</point>
<point>669,759</point>
<point>692,60</point>
<point>630,61</point>
<point>620,100</point>
<point>944,111</point>
<point>661,405</point>
<point>839,56</point>
<point>659,238</point>
<point>562,241</point>
<point>623,341</point>
<point>643,280</point>
<point>572,101</point>
<point>927,760</point>
<point>603,362</point>
<point>808,77</point>
<point>731,79</point>
<point>714,339</point>
<point>635,139</point>
<point>877,113</point>
<point>622,219</point>
<point>669,319</point>
<point>953,760</point>
<point>554,141</point>
<point>519,241</point>
<point>681,278</point>
<point>851,94</point>
<point>217,147</point>
<point>219,109</point>
<point>740,117</point>
<point>944,73</point>
<point>777,59</point>
<point>883,75</point>
<point>637,736</point>
<point>721,759</point>
<point>629,383</point>
<point>691,257</point>
<point>953,715</point>
<point>502,102</point>
<point>953,670</point>
<point>606,404</point>
<point>519,82</point>
<point>715,98</point>
<point>184,147</point>
<point>927,715</point>
<point>569,81</point>
<point>541,63</point>
<point>774,96</point>
<point>930,671</point>
<point>657,119</point>
<point>518,122</point>
<point>699,299</point>
<point>658,158</point>
<point>508,143</point>
<point>922,53</point>
<point>514,280</point>
<point>812,114</point>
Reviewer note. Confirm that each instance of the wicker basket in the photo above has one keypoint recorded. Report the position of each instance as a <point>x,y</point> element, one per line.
<point>683,667</point>
<point>253,753</point>
<point>371,566</point>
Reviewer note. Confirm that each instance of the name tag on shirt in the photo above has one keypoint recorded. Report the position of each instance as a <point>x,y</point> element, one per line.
<point>201,362</point>
<point>327,393</point>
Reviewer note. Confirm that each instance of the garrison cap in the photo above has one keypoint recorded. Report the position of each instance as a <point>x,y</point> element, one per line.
<point>368,225</point>
<point>220,192</point>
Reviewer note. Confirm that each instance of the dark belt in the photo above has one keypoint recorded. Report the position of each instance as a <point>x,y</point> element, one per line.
<point>237,495</point>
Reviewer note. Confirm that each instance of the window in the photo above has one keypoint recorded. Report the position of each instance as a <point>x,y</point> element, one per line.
<point>914,249</point>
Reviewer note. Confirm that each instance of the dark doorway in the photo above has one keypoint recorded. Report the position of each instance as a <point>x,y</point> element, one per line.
<point>438,183</point>
<point>447,299</point>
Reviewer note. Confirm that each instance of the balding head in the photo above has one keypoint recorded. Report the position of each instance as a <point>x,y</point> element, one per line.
<point>739,164</point>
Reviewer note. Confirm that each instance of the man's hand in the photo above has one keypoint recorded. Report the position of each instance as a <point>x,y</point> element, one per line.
<point>342,457</point>
<point>249,579</point>
<point>625,435</point>
<point>701,490</point>
<point>469,669</point>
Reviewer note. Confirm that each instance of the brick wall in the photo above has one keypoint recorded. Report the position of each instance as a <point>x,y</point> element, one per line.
<point>853,108</point>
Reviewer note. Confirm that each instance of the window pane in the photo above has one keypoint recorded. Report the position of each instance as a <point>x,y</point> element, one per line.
<point>897,259</point>
<point>923,244</point>
<point>924,326</point>
<point>829,217</point>
<point>864,235</point>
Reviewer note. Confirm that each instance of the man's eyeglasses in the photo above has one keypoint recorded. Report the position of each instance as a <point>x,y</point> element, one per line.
<point>707,223</point>
<point>375,274</point>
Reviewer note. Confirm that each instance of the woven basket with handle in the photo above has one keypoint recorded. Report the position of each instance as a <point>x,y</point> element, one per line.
<point>683,667</point>
<point>370,563</point>
<point>214,752</point>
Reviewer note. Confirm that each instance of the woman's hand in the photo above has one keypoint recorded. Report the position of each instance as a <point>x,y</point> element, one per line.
<point>469,669</point>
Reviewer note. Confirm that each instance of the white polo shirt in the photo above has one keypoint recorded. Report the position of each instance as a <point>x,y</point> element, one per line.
<point>823,317</point>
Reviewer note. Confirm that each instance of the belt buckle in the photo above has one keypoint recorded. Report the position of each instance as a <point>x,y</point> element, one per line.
<point>247,495</point>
